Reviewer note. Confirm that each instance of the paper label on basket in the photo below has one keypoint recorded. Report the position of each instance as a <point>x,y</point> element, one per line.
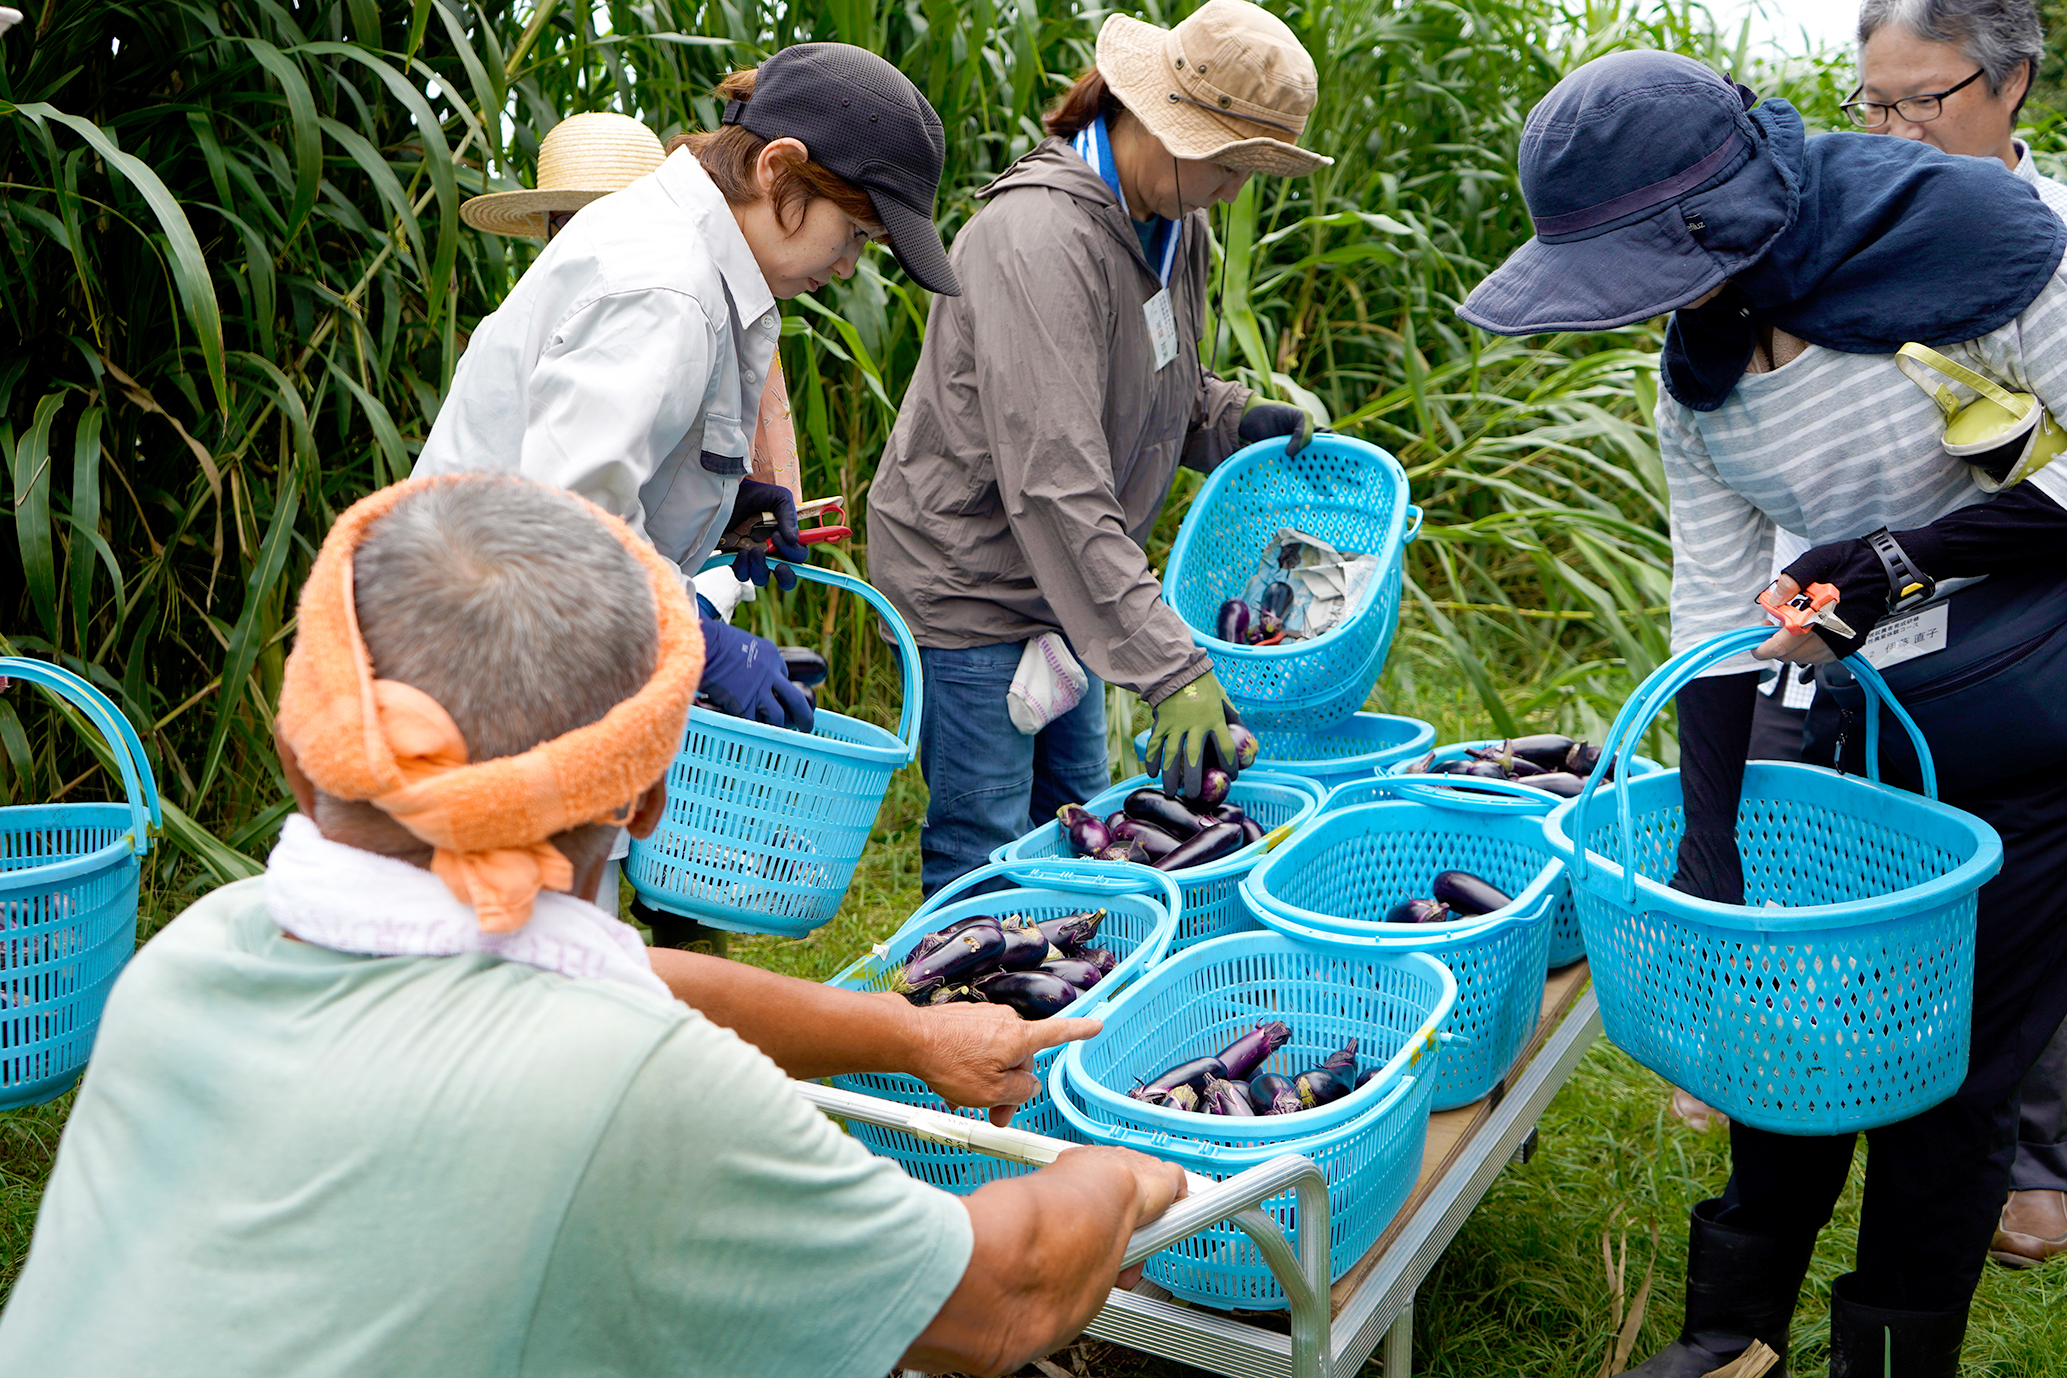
<point>1905,638</point>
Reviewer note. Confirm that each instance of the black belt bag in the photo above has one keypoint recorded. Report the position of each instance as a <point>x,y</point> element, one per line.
<point>1992,703</point>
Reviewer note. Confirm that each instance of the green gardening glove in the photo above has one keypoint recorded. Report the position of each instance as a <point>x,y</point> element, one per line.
<point>1184,723</point>
<point>1262,419</point>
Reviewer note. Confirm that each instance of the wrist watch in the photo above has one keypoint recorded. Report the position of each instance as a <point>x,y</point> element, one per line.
<point>1908,586</point>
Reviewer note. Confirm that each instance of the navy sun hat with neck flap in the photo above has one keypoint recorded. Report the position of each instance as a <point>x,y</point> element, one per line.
<point>1650,183</point>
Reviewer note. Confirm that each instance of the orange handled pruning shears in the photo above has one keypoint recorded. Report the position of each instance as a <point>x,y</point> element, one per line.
<point>1808,609</point>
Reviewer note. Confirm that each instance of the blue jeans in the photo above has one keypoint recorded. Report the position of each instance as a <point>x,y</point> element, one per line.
<point>990,783</point>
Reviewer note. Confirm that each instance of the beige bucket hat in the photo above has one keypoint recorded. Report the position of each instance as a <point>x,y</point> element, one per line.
<point>582,157</point>
<point>1230,84</point>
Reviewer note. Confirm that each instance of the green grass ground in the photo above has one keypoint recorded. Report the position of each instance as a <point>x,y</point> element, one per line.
<point>1523,1290</point>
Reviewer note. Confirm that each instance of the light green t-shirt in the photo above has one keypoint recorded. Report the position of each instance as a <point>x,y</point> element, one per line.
<point>292,1161</point>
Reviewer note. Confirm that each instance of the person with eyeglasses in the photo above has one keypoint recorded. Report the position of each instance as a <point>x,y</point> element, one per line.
<point>1912,54</point>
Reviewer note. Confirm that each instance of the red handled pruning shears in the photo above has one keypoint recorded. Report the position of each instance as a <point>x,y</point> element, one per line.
<point>1808,609</point>
<point>820,508</point>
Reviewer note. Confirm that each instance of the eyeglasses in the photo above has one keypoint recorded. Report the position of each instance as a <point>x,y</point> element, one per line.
<point>1871,114</point>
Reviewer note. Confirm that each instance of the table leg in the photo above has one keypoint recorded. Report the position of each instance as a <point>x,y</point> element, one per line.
<point>1399,1345</point>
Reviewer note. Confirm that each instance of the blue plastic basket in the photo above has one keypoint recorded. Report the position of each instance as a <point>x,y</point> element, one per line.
<point>764,824</point>
<point>1356,748</point>
<point>1212,909</point>
<point>1332,883</point>
<point>1368,1144</point>
<point>1845,1010</point>
<point>1348,493</point>
<point>68,887</point>
<point>1142,907</point>
<point>1567,943</point>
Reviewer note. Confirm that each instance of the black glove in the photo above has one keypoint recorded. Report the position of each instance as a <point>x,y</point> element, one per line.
<point>751,565</point>
<point>743,675</point>
<point>1714,737</point>
<point>1855,572</point>
<point>1262,420</point>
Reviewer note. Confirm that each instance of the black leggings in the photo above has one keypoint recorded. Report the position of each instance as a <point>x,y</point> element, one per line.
<point>1935,1183</point>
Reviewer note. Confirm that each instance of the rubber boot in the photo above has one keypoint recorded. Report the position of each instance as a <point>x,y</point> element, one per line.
<point>1870,1342</point>
<point>1740,1287</point>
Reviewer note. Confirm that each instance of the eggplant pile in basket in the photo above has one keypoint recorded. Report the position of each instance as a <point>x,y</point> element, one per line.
<point>1228,1083</point>
<point>1169,832</point>
<point>1458,895</point>
<point>1547,761</point>
<point>1036,969</point>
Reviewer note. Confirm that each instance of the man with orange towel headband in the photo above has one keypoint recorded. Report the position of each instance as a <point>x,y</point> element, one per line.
<point>404,1105</point>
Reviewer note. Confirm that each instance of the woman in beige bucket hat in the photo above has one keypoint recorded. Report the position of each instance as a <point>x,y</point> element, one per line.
<point>1053,402</point>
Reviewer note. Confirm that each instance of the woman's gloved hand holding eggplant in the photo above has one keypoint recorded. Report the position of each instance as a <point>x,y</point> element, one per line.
<point>757,500</point>
<point>744,675</point>
<point>1185,722</point>
<point>1262,419</point>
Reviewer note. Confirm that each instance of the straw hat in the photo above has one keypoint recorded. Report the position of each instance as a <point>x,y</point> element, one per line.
<point>1230,84</point>
<point>583,157</point>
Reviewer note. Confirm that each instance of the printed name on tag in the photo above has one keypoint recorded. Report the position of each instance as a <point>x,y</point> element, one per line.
<point>1162,327</point>
<point>1906,638</point>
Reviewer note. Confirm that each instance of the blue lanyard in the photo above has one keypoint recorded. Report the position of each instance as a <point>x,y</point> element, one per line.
<point>1094,145</point>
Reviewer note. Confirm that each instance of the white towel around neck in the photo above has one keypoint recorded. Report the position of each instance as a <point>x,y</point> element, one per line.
<point>339,897</point>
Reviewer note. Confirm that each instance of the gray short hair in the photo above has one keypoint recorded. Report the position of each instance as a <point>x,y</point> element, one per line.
<point>1998,36</point>
<point>509,604</point>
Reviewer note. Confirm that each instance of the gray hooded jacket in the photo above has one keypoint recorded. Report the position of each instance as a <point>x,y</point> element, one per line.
<point>1037,441</point>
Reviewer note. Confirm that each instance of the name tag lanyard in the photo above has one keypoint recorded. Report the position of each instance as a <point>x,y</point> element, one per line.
<point>1094,145</point>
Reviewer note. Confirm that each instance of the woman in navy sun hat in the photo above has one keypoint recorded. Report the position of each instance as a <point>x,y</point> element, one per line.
<point>1793,269</point>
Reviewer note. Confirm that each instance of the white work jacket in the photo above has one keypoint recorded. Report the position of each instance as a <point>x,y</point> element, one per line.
<point>626,365</point>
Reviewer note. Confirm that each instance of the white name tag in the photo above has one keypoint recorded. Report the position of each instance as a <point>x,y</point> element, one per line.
<point>1162,327</point>
<point>1906,638</point>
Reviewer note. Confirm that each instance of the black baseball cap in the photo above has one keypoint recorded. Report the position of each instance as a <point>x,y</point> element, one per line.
<point>864,122</point>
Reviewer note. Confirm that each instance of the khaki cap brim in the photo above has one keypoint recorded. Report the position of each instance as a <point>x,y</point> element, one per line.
<point>523,212</point>
<point>1135,62</point>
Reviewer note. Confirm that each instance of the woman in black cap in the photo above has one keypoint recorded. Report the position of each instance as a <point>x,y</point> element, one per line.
<point>1795,269</point>
<point>628,363</point>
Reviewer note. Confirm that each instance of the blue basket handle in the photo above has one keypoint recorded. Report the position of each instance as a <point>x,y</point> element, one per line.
<point>1667,680</point>
<point>1414,516</point>
<point>1079,875</point>
<point>139,786</point>
<point>1444,792</point>
<point>908,717</point>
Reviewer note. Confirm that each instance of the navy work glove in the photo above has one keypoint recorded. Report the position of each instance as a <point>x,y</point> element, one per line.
<point>1262,420</point>
<point>1856,573</point>
<point>757,499</point>
<point>743,675</point>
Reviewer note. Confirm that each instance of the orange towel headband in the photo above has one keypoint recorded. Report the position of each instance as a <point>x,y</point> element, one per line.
<point>395,747</point>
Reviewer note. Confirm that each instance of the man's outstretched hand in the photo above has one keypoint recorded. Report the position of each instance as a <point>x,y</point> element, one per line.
<point>983,1055</point>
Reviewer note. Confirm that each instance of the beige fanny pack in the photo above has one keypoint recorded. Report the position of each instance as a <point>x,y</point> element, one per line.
<point>2005,437</point>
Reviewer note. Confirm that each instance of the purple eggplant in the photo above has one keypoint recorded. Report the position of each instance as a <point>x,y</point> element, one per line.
<point>1271,1093</point>
<point>932,941</point>
<point>1252,831</point>
<point>1564,784</point>
<point>1029,994</point>
<point>1210,844</point>
<point>1546,750</point>
<point>1085,830</point>
<point>1100,957</point>
<point>1154,806</point>
<point>1151,839</point>
<point>1246,747</point>
<point>1421,910</point>
<point>1169,1097</point>
<point>1581,759</point>
<point>1026,947</point>
<point>1192,1074</point>
<point>945,995</point>
<point>1227,1098</point>
<point>1234,621</point>
<point>1277,599</point>
<point>972,949</point>
<point>1075,970</point>
<point>1213,789</point>
<point>1072,931</point>
<point>1342,1059</point>
<point>1266,626</point>
<point>1317,1086</point>
<point>1424,766</point>
<point>1520,769</point>
<point>1467,895</point>
<point>1243,1056</point>
<point>1365,1076</point>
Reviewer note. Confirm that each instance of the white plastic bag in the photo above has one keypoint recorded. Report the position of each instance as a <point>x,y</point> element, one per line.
<point>1047,684</point>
